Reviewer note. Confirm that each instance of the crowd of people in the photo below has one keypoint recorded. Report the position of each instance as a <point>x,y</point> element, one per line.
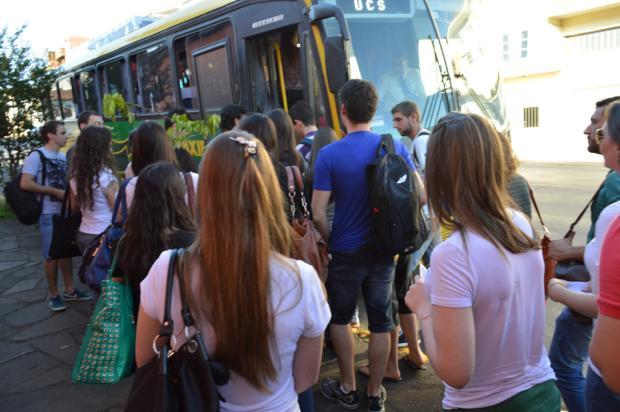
<point>478,298</point>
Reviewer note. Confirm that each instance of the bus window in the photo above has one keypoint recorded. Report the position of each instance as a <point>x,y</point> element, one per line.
<point>276,75</point>
<point>67,101</point>
<point>315,82</point>
<point>87,84</point>
<point>152,80</point>
<point>213,77</point>
<point>184,49</point>
<point>55,102</point>
<point>111,76</point>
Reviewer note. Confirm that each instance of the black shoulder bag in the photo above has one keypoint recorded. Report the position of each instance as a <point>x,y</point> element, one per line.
<point>64,230</point>
<point>573,270</point>
<point>181,380</point>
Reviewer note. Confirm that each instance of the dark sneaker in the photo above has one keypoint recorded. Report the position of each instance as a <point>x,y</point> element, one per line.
<point>402,340</point>
<point>330,388</point>
<point>377,403</point>
<point>56,304</point>
<point>77,295</point>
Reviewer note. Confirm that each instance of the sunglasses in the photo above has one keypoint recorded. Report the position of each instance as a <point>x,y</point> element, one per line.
<point>598,136</point>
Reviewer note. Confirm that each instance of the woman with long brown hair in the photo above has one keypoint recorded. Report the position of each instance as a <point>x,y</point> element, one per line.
<point>262,314</point>
<point>93,182</point>
<point>481,306</point>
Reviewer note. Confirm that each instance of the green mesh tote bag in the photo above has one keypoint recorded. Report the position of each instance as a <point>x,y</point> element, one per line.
<point>107,351</point>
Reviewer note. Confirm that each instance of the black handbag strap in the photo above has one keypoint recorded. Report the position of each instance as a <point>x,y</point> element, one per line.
<point>43,170</point>
<point>167,327</point>
<point>188,320</point>
<point>572,226</point>
<point>66,202</point>
<point>121,202</point>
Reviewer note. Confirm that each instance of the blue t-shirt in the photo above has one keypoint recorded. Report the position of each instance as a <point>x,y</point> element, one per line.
<point>55,175</point>
<point>341,169</point>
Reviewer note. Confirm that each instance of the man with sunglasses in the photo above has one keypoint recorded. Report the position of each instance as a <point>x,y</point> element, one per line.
<point>52,190</point>
<point>571,338</point>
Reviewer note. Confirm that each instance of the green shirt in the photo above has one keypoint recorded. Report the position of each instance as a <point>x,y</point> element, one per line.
<point>610,193</point>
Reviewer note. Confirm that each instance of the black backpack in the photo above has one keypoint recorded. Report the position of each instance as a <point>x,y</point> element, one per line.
<point>395,202</point>
<point>25,204</point>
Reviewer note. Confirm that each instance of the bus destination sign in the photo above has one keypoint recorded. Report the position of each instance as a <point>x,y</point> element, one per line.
<point>374,6</point>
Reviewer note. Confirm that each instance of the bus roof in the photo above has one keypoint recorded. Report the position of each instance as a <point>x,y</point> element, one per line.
<point>157,26</point>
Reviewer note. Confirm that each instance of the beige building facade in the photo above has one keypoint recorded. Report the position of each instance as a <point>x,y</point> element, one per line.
<point>558,58</point>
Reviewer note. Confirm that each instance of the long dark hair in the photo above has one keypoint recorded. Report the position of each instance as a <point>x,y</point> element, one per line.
<point>322,137</point>
<point>287,155</point>
<point>262,127</point>
<point>150,144</point>
<point>92,155</point>
<point>158,208</point>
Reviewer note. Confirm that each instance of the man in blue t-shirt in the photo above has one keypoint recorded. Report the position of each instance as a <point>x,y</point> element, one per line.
<point>340,171</point>
<point>52,191</point>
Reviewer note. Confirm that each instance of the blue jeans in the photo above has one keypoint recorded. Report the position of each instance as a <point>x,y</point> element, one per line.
<point>568,352</point>
<point>599,398</point>
<point>306,401</point>
<point>45,230</point>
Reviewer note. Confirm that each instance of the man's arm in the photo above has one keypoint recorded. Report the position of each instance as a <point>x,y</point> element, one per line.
<point>563,249</point>
<point>320,200</point>
<point>28,183</point>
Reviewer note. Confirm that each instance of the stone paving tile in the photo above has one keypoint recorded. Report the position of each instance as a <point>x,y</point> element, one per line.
<point>60,321</point>
<point>10,351</point>
<point>13,256</point>
<point>7,280</point>
<point>31,296</point>
<point>9,243</point>
<point>21,286</point>
<point>24,368</point>
<point>8,307</point>
<point>30,314</point>
<point>61,346</point>
<point>10,265</point>
<point>51,377</point>
<point>68,398</point>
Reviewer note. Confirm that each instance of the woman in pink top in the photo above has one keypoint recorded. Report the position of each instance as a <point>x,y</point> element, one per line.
<point>482,304</point>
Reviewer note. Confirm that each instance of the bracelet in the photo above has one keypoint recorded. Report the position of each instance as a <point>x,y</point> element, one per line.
<point>424,317</point>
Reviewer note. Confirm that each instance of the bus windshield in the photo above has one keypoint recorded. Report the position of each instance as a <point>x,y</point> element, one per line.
<point>396,47</point>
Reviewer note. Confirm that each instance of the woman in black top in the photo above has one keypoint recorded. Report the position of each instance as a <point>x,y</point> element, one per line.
<point>159,219</point>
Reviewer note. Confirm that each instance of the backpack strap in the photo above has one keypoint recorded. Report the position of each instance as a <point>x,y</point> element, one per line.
<point>572,226</point>
<point>191,193</point>
<point>43,170</point>
<point>386,143</point>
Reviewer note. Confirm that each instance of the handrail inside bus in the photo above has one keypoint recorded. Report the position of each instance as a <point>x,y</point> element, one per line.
<point>276,48</point>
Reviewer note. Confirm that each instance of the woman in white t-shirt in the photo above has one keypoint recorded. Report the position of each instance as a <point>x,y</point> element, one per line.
<point>93,182</point>
<point>261,313</point>
<point>481,306</point>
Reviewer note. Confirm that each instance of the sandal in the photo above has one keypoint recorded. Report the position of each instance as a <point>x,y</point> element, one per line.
<point>365,371</point>
<point>414,365</point>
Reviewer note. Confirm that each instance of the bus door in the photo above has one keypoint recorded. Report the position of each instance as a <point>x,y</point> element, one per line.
<point>276,77</point>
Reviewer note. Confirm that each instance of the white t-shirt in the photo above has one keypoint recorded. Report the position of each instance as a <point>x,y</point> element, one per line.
<point>507,297</point>
<point>130,189</point>
<point>417,148</point>
<point>592,252</point>
<point>295,316</point>
<point>96,219</point>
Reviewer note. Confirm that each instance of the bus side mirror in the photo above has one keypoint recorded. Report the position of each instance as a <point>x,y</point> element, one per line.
<point>320,12</point>
<point>336,63</point>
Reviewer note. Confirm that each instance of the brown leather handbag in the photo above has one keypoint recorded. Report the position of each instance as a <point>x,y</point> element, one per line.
<point>545,242</point>
<point>308,244</point>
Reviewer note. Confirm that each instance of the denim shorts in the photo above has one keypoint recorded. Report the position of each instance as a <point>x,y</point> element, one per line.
<point>45,229</point>
<point>351,271</point>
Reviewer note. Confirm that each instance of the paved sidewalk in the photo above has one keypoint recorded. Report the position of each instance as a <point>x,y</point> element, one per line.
<point>38,347</point>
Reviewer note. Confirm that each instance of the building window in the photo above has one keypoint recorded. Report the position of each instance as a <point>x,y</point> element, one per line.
<point>505,47</point>
<point>524,44</point>
<point>530,116</point>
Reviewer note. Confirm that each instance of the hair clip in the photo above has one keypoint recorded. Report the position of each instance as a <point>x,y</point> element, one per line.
<point>250,145</point>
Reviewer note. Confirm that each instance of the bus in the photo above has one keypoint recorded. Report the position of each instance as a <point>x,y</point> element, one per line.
<point>266,54</point>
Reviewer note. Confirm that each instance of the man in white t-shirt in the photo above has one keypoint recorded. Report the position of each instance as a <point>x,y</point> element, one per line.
<point>52,191</point>
<point>407,119</point>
